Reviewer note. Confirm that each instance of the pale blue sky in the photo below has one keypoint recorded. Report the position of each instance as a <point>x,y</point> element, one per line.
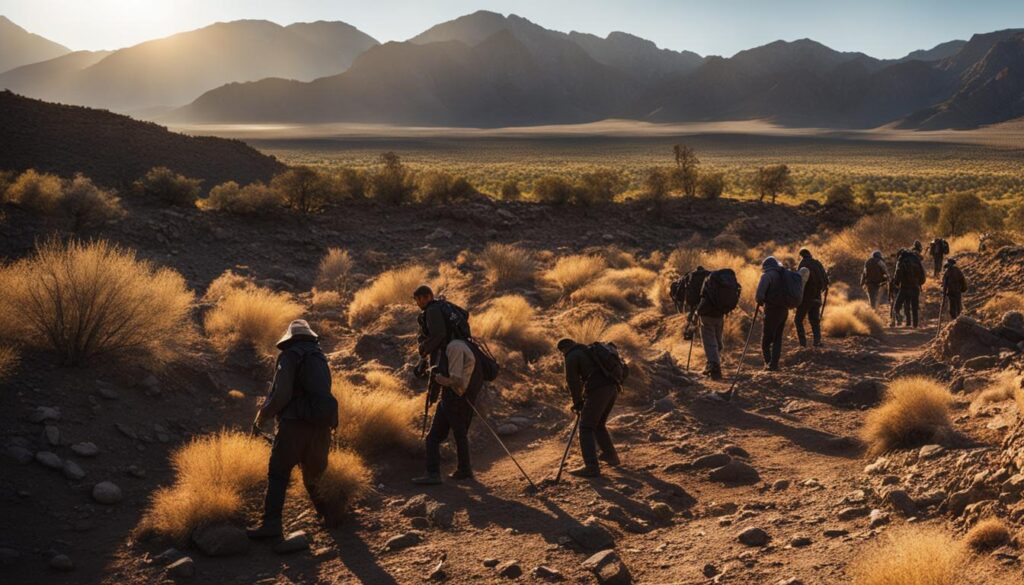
<point>881,28</point>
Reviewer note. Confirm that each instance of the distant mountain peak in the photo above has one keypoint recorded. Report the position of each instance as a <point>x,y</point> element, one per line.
<point>20,47</point>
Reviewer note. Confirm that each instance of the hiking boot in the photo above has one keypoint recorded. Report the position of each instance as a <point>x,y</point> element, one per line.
<point>771,368</point>
<point>585,471</point>
<point>716,374</point>
<point>610,458</point>
<point>264,531</point>
<point>431,478</point>
<point>818,344</point>
<point>460,475</point>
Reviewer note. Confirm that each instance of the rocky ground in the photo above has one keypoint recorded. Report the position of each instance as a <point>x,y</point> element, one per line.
<point>772,488</point>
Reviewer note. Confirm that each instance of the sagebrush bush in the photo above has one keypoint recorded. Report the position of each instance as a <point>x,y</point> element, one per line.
<point>440,187</point>
<point>509,320</point>
<point>392,182</point>
<point>212,475</point>
<point>389,288</point>
<point>1003,387</point>
<point>710,186</point>
<point>88,206</point>
<point>377,416</point>
<point>507,265</point>
<point>619,289</point>
<point>852,318</point>
<point>254,199</point>
<point>334,269</point>
<point>603,293</point>
<point>1001,303</point>
<point>252,317</point>
<point>914,410</point>
<point>553,190</point>
<point>848,249</point>
<point>304,189</point>
<point>346,479</point>
<point>572,272</point>
<point>165,185</point>
<point>988,534</point>
<point>228,281</point>
<point>912,556</point>
<point>84,300</point>
<point>36,192</point>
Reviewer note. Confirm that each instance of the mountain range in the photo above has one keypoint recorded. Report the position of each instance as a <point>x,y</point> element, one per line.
<point>488,70</point>
<point>19,47</point>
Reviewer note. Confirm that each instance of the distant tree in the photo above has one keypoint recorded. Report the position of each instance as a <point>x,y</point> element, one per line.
<point>38,192</point>
<point>685,176</point>
<point>253,199</point>
<point>392,182</point>
<point>711,185</point>
<point>961,213</point>
<point>165,185</point>
<point>599,187</point>
<point>510,191</point>
<point>553,190</point>
<point>350,184</point>
<point>840,195</point>
<point>441,187</point>
<point>930,215</point>
<point>303,188</point>
<point>88,206</point>
<point>773,180</point>
<point>657,182</point>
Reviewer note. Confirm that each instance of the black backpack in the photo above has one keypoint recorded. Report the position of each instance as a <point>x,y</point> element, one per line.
<point>608,360</point>
<point>456,319</point>
<point>489,366</point>
<point>818,278</point>
<point>694,284</point>
<point>945,246</point>
<point>791,292</point>
<point>722,290</point>
<point>314,402</point>
<point>677,289</point>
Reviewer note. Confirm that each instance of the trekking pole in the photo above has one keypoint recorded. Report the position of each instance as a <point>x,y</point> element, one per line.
<point>568,444</point>
<point>502,443</point>
<point>426,405</point>
<point>824,303</point>
<point>743,355</point>
<point>942,309</point>
<point>692,335</point>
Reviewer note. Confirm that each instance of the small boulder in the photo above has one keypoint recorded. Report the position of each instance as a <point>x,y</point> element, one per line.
<point>662,511</point>
<point>52,434</point>
<point>852,512</point>
<point>44,413</point>
<point>491,562</point>
<point>800,541</point>
<point>713,461</point>
<point>48,459</point>
<point>85,449</point>
<point>294,542</point>
<point>608,568</point>
<point>862,393</point>
<point>877,518</point>
<point>510,569</point>
<point>19,454</point>
<point>441,515</point>
<point>183,568</point>
<point>415,506</point>
<point>72,470</point>
<point>591,535</point>
<point>62,563</point>
<point>403,541</point>
<point>107,492</point>
<point>901,501</point>
<point>506,429</point>
<point>735,472</point>
<point>547,573</point>
<point>930,451</point>
<point>167,557</point>
<point>665,404</point>
<point>753,536</point>
<point>221,540</point>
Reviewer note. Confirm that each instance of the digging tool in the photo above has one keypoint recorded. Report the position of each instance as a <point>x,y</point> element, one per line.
<point>729,394</point>
<point>568,444</point>
<point>502,443</point>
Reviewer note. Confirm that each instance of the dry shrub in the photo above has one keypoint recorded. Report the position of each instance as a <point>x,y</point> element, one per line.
<point>570,273</point>
<point>509,320</point>
<point>8,361</point>
<point>334,269</point>
<point>390,288</point>
<point>452,284</point>
<point>914,410</point>
<point>911,556</point>
<point>85,300</point>
<point>848,249</point>
<point>163,184</point>
<point>88,206</point>
<point>596,328</point>
<point>375,417</point>
<point>604,293</point>
<point>326,299</point>
<point>346,479</point>
<point>1001,303</point>
<point>506,265</point>
<point>212,475</point>
<point>250,317</point>
<point>37,192</point>
<point>619,259</point>
<point>856,318</point>
<point>1004,387</point>
<point>253,199</point>
<point>966,243</point>
<point>987,535</point>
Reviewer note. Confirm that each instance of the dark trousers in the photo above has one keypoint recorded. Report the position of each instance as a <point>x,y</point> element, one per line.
<point>938,264</point>
<point>597,405</point>
<point>453,415</point>
<point>895,306</point>
<point>771,334</point>
<point>909,300</point>
<point>873,294</point>
<point>296,443</point>
<point>956,305</point>
<point>811,310</point>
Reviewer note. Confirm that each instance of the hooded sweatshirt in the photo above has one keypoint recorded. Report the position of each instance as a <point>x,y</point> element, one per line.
<point>770,278</point>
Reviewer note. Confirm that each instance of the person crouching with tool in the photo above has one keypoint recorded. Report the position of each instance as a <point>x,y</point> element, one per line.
<point>460,386</point>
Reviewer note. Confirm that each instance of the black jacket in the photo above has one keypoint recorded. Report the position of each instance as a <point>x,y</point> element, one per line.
<point>582,374</point>
<point>818,281</point>
<point>953,281</point>
<point>288,394</point>
<point>433,335</point>
<point>910,272</point>
<point>874,272</point>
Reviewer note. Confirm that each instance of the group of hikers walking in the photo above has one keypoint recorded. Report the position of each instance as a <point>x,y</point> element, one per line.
<point>456,366</point>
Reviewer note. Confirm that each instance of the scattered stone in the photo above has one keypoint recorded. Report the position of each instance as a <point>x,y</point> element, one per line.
<point>48,459</point>
<point>419,523</point>
<point>136,471</point>
<point>790,581</point>
<point>800,541</point>
<point>44,413</point>
<point>608,568</point>
<point>878,467</point>
<point>294,542</point>
<point>72,470</point>
<point>901,501</point>
<point>107,492</point>
<point>438,573</point>
<point>547,573</point>
<point>591,535</point>
<point>441,515</point>
<point>415,506</point>
<point>711,461</point>
<point>62,563</point>
<point>856,497</point>
<point>665,404</point>
<point>723,509</point>
<point>929,451</point>
<point>490,563</point>
<point>735,472</point>
<point>85,449</point>
<point>52,434</point>
<point>403,541</point>
<point>982,362</point>
<point>506,429</point>
<point>754,537</point>
<point>676,467</point>
<point>510,569</point>
<point>781,485</point>
<point>847,514</point>
<point>662,511</point>
<point>710,570</point>
<point>736,451</point>
<point>167,557</point>
<point>182,568</point>
<point>438,234</point>
<point>125,430</point>
<point>835,532</point>
<point>861,393</point>
<point>20,455</point>
<point>221,540</point>
<point>877,518</point>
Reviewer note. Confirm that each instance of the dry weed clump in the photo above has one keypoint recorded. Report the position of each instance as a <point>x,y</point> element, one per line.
<point>376,416</point>
<point>1002,303</point>
<point>8,361</point>
<point>619,289</point>
<point>509,320</point>
<point>852,318</point>
<point>213,473</point>
<point>912,556</point>
<point>507,266</point>
<point>685,259</point>
<point>966,243</point>
<point>570,273</point>
<point>1005,387</point>
<point>87,299</point>
<point>37,192</point>
<point>848,249</point>
<point>915,410</point>
<point>256,199</point>
<point>988,534</point>
<point>390,288</point>
<point>250,316</point>
<point>326,300</point>
<point>228,282</point>
<point>345,481</point>
<point>334,269</point>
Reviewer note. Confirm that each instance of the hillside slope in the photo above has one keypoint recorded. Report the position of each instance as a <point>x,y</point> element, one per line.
<point>19,47</point>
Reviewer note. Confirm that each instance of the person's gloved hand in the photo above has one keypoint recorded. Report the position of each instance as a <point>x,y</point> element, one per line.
<point>420,371</point>
<point>577,407</point>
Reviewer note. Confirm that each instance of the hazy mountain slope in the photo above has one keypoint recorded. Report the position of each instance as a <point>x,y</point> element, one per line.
<point>19,47</point>
<point>975,50</point>
<point>936,53</point>
<point>177,69</point>
<point>113,149</point>
<point>636,56</point>
<point>48,79</point>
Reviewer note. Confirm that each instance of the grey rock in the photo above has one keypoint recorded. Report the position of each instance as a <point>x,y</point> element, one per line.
<point>982,362</point>
<point>18,454</point>
<point>665,404</point>
<point>136,471</point>
<point>929,451</point>
<point>221,540</point>
<point>591,535</point>
<point>48,459</point>
<point>44,413</point>
<point>419,523</point>
<point>789,581</point>
<point>403,541</point>
<point>834,532</point>
<point>415,506</point>
<point>72,470</point>
<point>441,515</point>
<point>506,429</point>
<point>438,573</point>
<point>491,562</point>
<point>735,472</point>
<point>852,512</point>
<point>294,542</point>
<point>85,449</point>
<point>736,451</point>
<point>901,501</point>
<point>662,511</point>
<point>608,568</point>
<point>878,518</point>
<point>183,568</point>
<point>711,461</point>
<point>547,573</point>
<point>781,485</point>
<point>510,569</point>
<point>438,234</point>
<point>107,393</point>
<point>862,393</point>
<point>167,557</point>
<point>709,570</point>
<point>753,536</point>
<point>52,434</point>
<point>62,563</point>
<point>800,541</point>
<point>108,492</point>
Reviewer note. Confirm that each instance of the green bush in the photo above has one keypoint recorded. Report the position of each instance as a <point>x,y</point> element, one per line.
<point>961,213</point>
<point>392,183</point>
<point>510,191</point>
<point>165,185</point>
<point>840,195</point>
<point>657,182</point>
<point>711,185</point>
<point>351,184</point>
<point>304,189</point>
<point>930,215</point>
<point>599,187</point>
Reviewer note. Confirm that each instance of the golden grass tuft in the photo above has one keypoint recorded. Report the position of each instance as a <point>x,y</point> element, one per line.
<point>9,359</point>
<point>344,482</point>
<point>987,535</point>
<point>570,273</point>
<point>377,416</point>
<point>226,283</point>
<point>1005,387</point>
<point>618,288</point>
<point>506,265</point>
<point>212,475</point>
<point>855,318</point>
<point>326,299</point>
<point>911,556</point>
<point>915,410</point>
<point>334,269</point>
<point>1001,303</point>
<point>604,293</point>
<point>37,192</point>
<point>83,300</point>
<point>390,288</point>
<point>966,243</point>
<point>509,320</point>
<point>255,317</point>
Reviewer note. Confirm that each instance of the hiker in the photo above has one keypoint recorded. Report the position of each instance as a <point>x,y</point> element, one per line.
<point>460,381</point>
<point>593,393</point>
<point>718,297</point>
<point>875,274</point>
<point>910,275</point>
<point>810,307</point>
<point>776,312</point>
<point>300,400</point>
<point>895,301</point>
<point>433,336</point>
<point>938,250</point>
<point>686,295</point>
<point>954,285</point>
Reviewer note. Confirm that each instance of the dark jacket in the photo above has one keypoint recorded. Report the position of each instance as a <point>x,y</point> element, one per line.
<point>875,272</point>
<point>433,334</point>
<point>582,374</point>
<point>285,399</point>
<point>770,283</point>
<point>818,281</point>
<point>953,281</point>
<point>910,271</point>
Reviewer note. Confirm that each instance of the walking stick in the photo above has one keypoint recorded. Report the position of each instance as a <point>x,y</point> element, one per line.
<point>568,444</point>
<point>821,316</point>
<point>426,405</point>
<point>942,309</point>
<point>500,442</point>
<point>739,368</point>
<point>694,334</point>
